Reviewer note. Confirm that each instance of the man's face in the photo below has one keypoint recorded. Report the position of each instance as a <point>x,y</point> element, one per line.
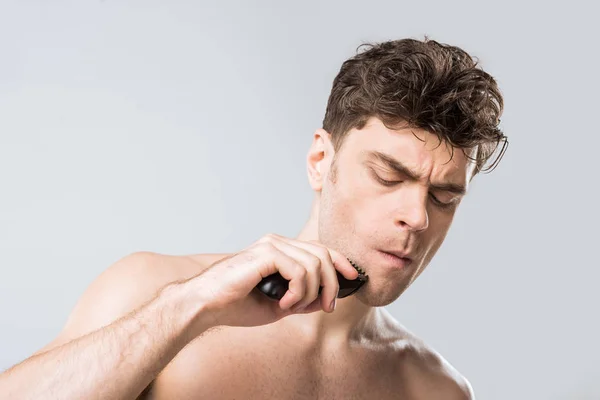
<point>389,191</point>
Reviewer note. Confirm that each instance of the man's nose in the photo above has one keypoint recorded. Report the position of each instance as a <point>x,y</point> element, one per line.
<point>411,213</point>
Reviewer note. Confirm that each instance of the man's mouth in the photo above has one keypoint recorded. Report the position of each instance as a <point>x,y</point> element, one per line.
<point>398,259</point>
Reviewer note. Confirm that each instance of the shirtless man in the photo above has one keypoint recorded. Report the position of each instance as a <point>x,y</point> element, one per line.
<point>407,126</point>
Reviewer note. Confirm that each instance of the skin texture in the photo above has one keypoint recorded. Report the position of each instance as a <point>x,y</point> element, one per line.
<point>357,351</point>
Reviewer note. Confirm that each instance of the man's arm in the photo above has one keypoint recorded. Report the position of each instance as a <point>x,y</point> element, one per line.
<point>116,341</point>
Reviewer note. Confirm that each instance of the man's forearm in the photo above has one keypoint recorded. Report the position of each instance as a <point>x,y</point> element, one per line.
<point>115,362</point>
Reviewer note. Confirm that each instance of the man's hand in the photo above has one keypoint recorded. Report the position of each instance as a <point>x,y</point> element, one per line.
<point>228,286</point>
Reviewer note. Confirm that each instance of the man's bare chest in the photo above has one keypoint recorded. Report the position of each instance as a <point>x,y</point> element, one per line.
<point>277,383</point>
<point>233,368</point>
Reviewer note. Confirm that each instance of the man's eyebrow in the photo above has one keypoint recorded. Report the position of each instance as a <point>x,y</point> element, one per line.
<point>397,166</point>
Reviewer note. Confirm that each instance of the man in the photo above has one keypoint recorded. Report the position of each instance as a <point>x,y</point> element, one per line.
<point>407,126</point>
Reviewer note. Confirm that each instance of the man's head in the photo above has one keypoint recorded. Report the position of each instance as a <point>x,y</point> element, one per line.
<point>407,126</point>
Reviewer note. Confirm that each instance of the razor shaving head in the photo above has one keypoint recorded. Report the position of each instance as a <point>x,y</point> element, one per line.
<point>359,269</point>
<point>348,287</point>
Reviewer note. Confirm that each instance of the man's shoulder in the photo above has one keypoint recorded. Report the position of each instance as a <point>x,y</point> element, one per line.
<point>126,285</point>
<point>426,372</point>
<point>139,276</point>
<point>437,378</point>
<point>150,271</point>
<point>142,274</point>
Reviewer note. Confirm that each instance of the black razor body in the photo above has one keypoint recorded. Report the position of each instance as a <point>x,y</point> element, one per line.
<point>274,286</point>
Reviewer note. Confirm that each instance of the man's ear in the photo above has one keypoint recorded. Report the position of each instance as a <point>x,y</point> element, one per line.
<point>318,158</point>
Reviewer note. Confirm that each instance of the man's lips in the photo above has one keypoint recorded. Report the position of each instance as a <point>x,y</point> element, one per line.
<point>400,254</point>
<point>397,258</point>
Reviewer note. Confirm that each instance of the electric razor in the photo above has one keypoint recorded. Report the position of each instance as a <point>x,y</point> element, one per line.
<point>275,286</point>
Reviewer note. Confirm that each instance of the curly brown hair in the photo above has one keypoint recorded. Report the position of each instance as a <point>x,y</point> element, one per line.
<point>425,84</point>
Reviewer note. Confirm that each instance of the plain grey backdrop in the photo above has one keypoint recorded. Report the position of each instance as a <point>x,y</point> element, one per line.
<point>182,127</point>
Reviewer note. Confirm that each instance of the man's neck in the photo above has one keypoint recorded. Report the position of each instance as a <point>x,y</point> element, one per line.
<point>351,320</point>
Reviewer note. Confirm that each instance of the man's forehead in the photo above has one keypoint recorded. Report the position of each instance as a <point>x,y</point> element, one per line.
<point>376,135</point>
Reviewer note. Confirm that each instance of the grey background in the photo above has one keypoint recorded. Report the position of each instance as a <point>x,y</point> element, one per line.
<point>182,127</point>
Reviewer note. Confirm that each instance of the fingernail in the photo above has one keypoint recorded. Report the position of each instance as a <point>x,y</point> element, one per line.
<point>332,306</point>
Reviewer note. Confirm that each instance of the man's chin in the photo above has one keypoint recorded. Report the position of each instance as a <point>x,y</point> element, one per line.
<point>374,298</point>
